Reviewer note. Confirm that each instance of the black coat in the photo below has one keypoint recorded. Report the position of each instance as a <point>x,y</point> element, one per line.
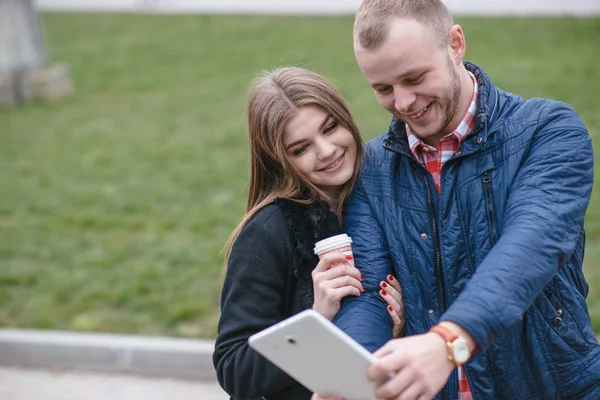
<point>268,279</point>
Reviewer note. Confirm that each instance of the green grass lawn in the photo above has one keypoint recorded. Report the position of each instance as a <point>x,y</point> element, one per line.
<point>116,202</point>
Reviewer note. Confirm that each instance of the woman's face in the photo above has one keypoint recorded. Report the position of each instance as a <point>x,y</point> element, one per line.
<point>321,149</point>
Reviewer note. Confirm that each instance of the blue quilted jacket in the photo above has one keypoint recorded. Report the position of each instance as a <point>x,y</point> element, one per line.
<point>499,251</point>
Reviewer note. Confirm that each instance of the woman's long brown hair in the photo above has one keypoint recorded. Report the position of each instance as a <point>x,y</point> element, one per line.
<point>274,100</point>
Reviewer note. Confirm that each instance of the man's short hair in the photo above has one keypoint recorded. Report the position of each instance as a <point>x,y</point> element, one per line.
<point>373,18</point>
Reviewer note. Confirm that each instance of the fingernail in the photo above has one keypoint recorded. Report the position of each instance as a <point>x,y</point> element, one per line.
<point>390,308</point>
<point>348,257</point>
<point>362,277</point>
<point>383,284</point>
<point>383,292</point>
<point>390,278</point>
<point>362,288</point>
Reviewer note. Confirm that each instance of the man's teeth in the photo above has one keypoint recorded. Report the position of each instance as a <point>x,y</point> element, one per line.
<point>419,113</point>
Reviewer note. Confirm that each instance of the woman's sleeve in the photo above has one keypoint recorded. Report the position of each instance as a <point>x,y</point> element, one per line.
<point>252,300</point>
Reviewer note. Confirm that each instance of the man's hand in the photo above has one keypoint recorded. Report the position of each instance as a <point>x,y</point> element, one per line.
<point>420,366</point>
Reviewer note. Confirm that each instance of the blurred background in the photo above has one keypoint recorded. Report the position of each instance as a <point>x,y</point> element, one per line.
<point>117,199</point>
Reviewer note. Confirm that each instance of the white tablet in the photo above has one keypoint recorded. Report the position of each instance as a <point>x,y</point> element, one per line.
<point>318,354</point>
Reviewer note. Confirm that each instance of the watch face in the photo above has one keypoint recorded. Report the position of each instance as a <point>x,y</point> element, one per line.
<point>460,351</point>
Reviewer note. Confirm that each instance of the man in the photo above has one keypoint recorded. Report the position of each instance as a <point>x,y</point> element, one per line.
<point>475,200</point>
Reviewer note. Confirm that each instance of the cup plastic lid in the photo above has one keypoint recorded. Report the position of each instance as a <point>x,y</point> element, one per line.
<point>332,243</point>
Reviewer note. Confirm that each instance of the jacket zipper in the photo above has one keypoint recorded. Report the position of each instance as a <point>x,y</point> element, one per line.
<point>436,249</point>
<point>487,184</point>
<point>438,258</point>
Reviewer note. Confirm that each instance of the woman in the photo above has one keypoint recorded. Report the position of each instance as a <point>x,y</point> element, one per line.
<point>305,156</point>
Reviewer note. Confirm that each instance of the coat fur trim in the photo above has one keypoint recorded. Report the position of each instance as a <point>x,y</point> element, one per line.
<point>308,224</point>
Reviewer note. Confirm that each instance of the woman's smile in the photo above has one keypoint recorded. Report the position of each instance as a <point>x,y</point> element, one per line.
<point>335,165</point>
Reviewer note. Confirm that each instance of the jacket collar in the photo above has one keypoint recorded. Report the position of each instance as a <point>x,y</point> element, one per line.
<point>487,111</point>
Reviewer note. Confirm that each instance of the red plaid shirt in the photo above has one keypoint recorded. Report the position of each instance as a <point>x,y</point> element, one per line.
<point>433,159</point>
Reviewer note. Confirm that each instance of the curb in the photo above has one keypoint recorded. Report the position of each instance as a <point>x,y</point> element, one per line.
<point>108,353</point>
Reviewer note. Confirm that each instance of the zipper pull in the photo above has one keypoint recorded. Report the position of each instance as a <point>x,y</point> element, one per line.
<point>486,177</point>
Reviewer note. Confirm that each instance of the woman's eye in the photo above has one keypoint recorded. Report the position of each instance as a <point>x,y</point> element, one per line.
<point>299,151</point>
<point>384,90</point>
<point>331,127</point>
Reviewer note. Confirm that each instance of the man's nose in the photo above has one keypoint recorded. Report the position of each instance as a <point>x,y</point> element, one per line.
<point>404,100</point>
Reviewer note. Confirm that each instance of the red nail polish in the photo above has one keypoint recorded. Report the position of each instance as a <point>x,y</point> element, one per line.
<point>362,288</point>
<point>362,277</point>
<point>383,292</point>
<point>390,308</point>
<point>383,284</point>
<point>348,257</point>
<point>390,278</point>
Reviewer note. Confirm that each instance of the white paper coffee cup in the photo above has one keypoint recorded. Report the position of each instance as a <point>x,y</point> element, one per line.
<point>340,243</point>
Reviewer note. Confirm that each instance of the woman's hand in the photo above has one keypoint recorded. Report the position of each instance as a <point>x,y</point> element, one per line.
<point>333,279</point>
<point>392,294</point>
<point>317,397</point>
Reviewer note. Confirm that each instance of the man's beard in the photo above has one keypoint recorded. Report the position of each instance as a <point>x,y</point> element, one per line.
<point>448,105</point>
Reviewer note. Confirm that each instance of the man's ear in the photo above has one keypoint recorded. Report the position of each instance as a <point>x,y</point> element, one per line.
<point>457,44</point>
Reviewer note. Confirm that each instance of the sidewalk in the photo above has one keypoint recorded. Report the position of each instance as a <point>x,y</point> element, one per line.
<point>105,353</point>
<point>318,7</point>
<point>54,365</point>
<point>28,384</point>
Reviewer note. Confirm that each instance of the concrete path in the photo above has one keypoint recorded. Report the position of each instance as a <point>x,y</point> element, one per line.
<point>29,384</point>
<point>166,357</point>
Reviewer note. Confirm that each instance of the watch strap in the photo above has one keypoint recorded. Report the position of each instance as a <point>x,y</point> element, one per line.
<point>444,332</point>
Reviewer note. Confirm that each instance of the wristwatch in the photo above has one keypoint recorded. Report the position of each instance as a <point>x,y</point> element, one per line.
<point>458,349</point>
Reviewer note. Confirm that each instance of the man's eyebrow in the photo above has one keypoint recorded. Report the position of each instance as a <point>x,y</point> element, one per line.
<point>413,71</point>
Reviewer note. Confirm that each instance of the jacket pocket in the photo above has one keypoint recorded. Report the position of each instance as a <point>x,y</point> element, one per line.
<point>561,319</point>
<point>489,201</point>
<point>560,342</point>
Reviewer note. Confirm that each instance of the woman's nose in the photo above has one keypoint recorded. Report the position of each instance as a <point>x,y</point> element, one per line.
<point>326,149</point>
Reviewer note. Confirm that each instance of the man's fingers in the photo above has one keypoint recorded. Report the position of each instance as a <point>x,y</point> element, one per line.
<point>397,385</point>
<point>388,360</point>
<point>386,348</point>
<point>412,392</point>
<point>377,373</point>
<point>417,360</point>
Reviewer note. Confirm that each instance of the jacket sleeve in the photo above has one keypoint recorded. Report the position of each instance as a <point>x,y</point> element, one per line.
<point>365,318</point>
<point>252,300</point>
<point>544,215</point>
